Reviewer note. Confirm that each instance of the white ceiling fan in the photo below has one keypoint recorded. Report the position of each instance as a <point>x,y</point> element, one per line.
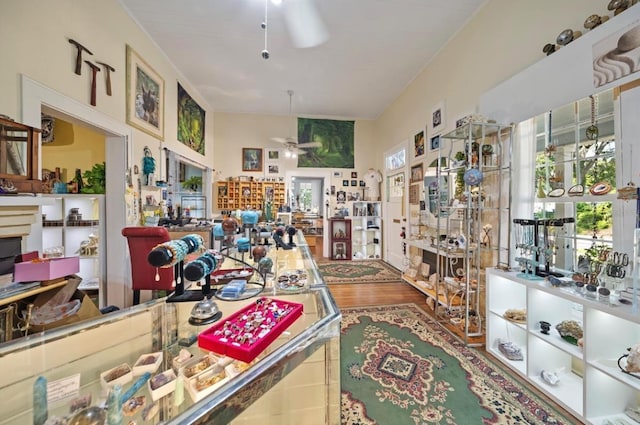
<point>292,147</point>
<point>304,24</point>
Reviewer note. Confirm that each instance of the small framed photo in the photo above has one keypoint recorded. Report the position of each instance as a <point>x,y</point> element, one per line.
<point>414,194</point>
<point>416,173</point>
<point>418,145</point>
<point>273,154</point>
<point>274,169</point>
<point>354,174</point>
<point>333,190</point>
<point>362,184</point>
<point>354,182</point>
<point>434,143</point>
<point>437,117</point>
<point>345,182</point>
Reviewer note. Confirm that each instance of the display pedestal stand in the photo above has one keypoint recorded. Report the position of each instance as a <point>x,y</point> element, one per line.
<point>180,294</point>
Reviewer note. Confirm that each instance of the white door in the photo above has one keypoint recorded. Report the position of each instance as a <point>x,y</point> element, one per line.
<point>395,220</point>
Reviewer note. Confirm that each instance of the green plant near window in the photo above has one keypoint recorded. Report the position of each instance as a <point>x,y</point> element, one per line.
<point>96,180</point>
<point>192,183</point>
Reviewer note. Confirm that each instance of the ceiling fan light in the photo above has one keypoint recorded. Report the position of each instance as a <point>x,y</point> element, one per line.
<point>276,2</point>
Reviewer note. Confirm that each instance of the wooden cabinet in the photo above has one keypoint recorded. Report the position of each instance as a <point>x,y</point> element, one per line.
<point>340,237</point>
<point>235,194</point>
<point>19,155</point>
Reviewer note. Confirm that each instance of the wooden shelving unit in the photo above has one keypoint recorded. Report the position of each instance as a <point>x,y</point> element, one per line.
<point>235,194</point>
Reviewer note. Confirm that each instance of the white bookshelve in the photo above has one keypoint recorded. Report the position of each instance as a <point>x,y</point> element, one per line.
<point>59,231</point>
<point>591,384</point>
<point>366,230</point>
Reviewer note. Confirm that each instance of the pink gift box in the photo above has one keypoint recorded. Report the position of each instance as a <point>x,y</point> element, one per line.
<point>48,269</point>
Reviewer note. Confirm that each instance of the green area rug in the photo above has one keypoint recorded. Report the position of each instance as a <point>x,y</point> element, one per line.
<point>375,271</point>
<point>399,366</point>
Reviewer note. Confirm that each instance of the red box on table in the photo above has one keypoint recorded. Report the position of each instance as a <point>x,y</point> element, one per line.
<point>214,338</point>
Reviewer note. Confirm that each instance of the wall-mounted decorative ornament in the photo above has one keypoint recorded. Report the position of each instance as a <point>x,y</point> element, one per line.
<point>148,167</point>
<point>567,36</point>
<point>81,48</point>
<point>108,69</point>
<point>591,132</point>
<point>47,124</point>
<point>94,70</point>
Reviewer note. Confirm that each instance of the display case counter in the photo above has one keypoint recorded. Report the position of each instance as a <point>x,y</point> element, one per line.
<point>295,376</point>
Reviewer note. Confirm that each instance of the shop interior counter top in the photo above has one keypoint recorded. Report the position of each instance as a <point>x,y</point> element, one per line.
<point>73,361</point>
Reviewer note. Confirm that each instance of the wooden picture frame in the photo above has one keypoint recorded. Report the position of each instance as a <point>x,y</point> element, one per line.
<point>145,96</point>
<point>252,159</point>
<point>416,173</point>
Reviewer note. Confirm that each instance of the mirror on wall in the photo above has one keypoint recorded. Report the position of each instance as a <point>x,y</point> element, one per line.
<point>187,196</point>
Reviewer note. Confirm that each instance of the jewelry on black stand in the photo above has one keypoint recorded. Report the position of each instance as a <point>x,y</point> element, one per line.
<point>172,254</point>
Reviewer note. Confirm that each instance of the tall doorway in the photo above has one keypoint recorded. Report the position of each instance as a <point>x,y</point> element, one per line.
<point>37,98</point>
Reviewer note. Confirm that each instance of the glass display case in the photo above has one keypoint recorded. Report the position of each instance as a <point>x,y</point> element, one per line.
<point>194,206</point>
<point>71,363</point>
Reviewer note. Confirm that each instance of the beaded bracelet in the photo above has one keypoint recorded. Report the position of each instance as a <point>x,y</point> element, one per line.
<point>194,242</point>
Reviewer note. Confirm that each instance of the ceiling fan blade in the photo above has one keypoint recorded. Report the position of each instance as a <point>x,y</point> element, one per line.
<point>309,145</point>
<point>282,140</point>
<point>304,23</point>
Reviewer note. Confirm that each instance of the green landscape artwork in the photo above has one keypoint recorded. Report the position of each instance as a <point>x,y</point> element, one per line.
<point>334,141</point>
<point>190,121</point>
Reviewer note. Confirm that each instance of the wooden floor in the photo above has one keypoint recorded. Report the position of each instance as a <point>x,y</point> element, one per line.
<point>366,294</point>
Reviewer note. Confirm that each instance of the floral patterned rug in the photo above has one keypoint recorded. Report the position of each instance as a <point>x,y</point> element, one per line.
<point>375,271</point>
<point>399,366</point>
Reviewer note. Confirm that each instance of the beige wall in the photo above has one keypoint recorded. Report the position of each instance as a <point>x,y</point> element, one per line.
<point>504,37</point>
<point>236,131</point>
<point>33,41</point>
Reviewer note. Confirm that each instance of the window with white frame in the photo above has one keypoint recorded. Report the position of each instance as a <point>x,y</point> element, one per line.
<point>575,178</point>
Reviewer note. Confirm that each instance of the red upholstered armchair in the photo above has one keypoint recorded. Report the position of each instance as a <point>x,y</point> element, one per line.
<point>141,240</point>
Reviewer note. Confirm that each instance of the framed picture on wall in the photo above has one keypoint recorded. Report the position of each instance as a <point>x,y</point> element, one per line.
<point>273,154</point>
<point>434,143</point>
<point>416,173</point>
<point>145,96</point>
<point>438,118</point>
<point>345,182</point>
<point>354,182</point>
<point>251,159</point>
<point>414,193</point>
<point>418,145</point>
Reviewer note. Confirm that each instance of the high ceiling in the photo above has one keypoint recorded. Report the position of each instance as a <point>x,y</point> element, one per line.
<point>374,50</point>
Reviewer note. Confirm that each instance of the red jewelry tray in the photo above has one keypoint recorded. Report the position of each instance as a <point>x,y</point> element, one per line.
<point>214,338</point>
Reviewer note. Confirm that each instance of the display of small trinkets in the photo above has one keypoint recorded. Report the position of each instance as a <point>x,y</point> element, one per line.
<point>292,280</point>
